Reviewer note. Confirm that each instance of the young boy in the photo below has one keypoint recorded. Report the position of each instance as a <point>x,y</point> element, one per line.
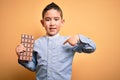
<point>53,54</point>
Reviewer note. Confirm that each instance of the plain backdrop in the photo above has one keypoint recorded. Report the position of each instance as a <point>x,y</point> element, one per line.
<point>97,19</point>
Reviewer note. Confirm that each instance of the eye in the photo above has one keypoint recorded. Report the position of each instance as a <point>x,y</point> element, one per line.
<point>47,19</point>
<point>56,19</point>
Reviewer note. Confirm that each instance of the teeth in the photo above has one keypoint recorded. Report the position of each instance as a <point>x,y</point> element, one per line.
<point>52,28</point>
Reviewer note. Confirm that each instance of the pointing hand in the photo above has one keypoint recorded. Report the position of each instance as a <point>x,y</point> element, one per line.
<point>72,40</point>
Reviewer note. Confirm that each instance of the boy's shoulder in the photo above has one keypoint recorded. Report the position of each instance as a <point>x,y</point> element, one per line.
<point>40,38</point>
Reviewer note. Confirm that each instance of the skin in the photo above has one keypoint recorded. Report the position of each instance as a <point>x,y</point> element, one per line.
<point>52,23</point>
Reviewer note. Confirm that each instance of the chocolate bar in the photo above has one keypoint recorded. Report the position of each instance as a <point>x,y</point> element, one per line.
<point>28,42</point>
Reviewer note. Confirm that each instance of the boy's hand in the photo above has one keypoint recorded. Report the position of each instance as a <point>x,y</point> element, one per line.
<point>19,49</point>
<point>72,40</point>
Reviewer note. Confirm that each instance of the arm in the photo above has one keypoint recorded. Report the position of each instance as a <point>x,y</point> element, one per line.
<point>85,45</point>
<point>31,65</point>
<point>81,43</point>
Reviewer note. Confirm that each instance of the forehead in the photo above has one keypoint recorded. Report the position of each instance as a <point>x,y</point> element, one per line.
<point>52,13</point>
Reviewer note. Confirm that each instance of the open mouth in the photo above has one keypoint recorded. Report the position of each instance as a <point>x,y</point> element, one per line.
<point>52,29</point>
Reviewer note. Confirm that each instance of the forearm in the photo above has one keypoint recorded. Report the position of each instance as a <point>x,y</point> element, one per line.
<point>30,65</point>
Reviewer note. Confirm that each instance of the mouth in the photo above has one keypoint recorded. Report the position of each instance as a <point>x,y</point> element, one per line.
<point>52,29</point>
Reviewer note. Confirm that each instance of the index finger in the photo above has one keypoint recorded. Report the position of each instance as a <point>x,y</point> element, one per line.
<point>65,42</point>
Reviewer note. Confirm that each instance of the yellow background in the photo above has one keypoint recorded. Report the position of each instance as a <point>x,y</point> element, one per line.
<point>97,19</point>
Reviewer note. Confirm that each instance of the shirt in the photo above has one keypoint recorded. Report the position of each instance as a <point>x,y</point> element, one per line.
<point>52,60</point>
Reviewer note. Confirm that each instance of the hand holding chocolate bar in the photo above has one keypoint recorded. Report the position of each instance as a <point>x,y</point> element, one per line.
<point>25,49</point>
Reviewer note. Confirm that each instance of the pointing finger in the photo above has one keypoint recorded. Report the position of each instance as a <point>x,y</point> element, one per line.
<point>65,42</point>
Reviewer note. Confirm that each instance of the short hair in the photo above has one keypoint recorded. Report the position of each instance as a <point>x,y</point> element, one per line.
<point>52,6</point>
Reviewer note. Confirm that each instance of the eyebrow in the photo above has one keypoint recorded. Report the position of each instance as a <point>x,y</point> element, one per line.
<point>50,17</point>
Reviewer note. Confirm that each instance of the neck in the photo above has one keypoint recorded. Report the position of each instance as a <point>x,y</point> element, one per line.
<point>53,35</point>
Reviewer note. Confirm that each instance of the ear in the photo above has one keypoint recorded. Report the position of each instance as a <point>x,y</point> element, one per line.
<point>63,21</point>
<point>42,22</point>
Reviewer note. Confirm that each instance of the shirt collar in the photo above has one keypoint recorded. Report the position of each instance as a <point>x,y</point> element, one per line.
<point>52,37</point>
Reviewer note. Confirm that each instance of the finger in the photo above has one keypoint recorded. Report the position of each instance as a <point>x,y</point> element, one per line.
<point>24,49</point>
<point>65,42</point>
<point>20,48</point>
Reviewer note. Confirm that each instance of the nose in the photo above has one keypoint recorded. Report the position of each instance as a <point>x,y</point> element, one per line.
<point>52,23</point>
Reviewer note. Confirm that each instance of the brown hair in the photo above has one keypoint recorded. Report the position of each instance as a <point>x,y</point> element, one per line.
<point>52,6</point>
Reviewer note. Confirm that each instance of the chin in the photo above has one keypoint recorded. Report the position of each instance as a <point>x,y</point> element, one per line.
<point>52,34</point>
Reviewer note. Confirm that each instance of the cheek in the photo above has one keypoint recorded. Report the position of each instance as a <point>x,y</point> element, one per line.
<point>47,28</point>
<point>46,25</point>
<point>58,28</point>
<point>59,25</point>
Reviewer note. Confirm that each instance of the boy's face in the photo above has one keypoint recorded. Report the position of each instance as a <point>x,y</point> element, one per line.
<point>52,22</point>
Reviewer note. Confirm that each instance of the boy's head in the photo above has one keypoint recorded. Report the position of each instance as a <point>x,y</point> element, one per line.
<point>52,19</point>
<point>52,6</point>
